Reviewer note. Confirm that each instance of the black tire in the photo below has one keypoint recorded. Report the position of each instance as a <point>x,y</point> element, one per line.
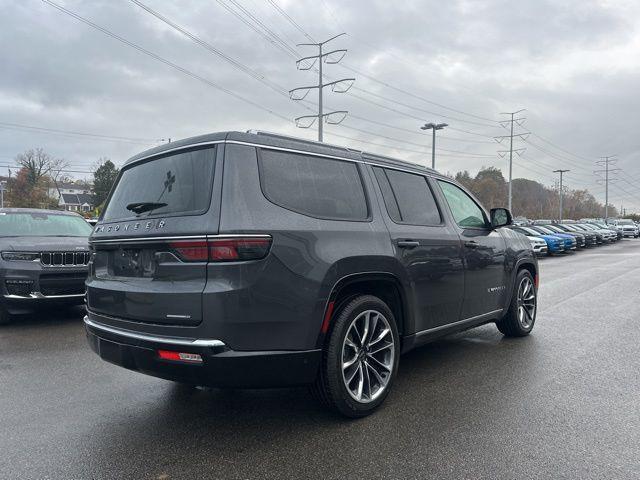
<point>329,386</point>
<point>517,323</point>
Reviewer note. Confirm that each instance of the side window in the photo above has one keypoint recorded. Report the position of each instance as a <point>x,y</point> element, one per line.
<point>407,197</point>
<point>465,211</point>
<point>314,186</point>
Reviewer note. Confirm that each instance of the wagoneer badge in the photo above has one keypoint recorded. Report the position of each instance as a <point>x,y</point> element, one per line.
<point>148,225</point>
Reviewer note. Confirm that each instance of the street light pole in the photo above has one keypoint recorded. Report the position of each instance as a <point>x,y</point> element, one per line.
<point>433,127</point>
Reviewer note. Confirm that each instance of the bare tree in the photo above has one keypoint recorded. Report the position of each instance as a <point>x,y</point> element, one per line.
<point>38,164</point>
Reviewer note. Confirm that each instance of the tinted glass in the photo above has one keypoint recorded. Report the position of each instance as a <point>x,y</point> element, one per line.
<point>314,186</point>
<point>42,224</point>
<point>182,182</point>
<point>408,197</point>
<point>465,211</point>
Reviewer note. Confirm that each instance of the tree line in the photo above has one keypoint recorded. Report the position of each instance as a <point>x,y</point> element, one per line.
<point>38,171</point>
<point>531,199</point>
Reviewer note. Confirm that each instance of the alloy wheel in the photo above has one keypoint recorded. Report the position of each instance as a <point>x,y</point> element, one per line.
<point>526,303</point>
<point>368,355</point>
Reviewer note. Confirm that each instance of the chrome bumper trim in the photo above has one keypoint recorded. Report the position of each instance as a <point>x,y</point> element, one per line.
<point>153,338</point>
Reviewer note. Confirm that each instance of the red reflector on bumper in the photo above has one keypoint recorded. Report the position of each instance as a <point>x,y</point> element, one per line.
<point>179,356</point>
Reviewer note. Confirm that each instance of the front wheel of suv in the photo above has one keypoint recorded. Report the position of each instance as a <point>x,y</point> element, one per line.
<point>360,359</point>
<point>521,315</point>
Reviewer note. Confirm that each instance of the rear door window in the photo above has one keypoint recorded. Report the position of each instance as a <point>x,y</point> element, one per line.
<point>407,197</point>
<point>314,186</point>
<point>178,184</point>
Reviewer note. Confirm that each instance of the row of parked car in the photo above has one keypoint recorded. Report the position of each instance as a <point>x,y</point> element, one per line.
<point>549,237</point>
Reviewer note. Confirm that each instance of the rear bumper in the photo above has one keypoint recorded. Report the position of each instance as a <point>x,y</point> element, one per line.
<point>220,366</point>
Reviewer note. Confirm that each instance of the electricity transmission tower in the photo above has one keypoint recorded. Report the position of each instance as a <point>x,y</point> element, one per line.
<point>518,151</point>
<point>561,191</point>
<point>606,162</point>
<point>337,86</point>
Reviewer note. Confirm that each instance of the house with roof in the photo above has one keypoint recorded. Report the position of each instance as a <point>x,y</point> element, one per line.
<point>73,197</point>
<point>76,202</point>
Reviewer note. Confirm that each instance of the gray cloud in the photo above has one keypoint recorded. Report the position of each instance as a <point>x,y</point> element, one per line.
<point>574,65</point>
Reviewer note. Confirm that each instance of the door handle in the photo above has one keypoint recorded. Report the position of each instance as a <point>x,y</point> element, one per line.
<point>408,243</point>
<point>471,244</point>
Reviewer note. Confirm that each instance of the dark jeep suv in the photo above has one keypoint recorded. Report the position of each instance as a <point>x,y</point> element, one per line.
<point>43,259</point>
<point>258,260</point>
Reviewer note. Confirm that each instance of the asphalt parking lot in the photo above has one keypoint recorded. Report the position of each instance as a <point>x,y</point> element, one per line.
<point>562,403</point>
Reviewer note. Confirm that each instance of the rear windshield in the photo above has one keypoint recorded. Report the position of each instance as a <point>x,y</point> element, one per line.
<point>175,184</point>
<point>42,225</point>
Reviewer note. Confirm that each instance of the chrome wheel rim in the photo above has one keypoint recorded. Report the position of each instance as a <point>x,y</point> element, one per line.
<point>368,356</point>
<point>526,303</point>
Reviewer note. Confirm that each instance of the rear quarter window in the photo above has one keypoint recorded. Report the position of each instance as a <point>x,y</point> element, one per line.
<point>182,181</point>
<point>314,186</point>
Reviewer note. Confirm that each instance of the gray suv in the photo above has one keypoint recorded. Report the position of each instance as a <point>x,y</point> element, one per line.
<point>258,260</point>
<point>43,260</point>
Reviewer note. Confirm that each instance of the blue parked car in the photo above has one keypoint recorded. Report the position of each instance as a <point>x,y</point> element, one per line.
<point>555,244</point>
<point>570,242</point>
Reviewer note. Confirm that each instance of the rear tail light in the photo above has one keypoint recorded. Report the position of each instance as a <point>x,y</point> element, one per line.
<point>222,249</point>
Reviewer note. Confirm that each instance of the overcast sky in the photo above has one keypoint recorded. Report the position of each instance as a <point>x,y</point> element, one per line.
<point>573,65</point>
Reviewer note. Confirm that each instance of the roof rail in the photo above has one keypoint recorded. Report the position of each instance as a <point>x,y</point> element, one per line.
<point>302,140</point>
<point>383,158</point>
<point>398,162</point>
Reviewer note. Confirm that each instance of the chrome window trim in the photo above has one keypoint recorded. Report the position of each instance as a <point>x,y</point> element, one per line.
<point>153,338</point>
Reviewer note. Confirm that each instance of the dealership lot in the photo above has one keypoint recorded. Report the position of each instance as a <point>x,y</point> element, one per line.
<point>562,403</point>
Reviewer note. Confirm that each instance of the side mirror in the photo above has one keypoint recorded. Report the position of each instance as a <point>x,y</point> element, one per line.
<point>500,217</point>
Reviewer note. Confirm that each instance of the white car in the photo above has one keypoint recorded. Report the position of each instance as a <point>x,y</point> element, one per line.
<point>629,229</point>
<point>539,245</point>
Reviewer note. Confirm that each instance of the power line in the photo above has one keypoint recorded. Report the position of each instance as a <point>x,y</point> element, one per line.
<point>560,148</point>
<point>215,51</point>
<point>407,142</point>
<point>290,20</point>
<point>395,102</point>
<point>284,14</point>
<point>425,100</point>
<point>164,60</point>
<point>92,136</point>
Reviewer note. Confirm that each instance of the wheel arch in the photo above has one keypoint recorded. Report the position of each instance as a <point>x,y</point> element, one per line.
<point>384,285</point>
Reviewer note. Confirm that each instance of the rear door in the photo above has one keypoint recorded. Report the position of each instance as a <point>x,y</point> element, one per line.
<point>484,251</point>
<point>427,248</point>
<point>150,251</point>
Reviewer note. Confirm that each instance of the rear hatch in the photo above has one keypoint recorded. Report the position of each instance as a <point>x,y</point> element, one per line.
<point>149,248</point>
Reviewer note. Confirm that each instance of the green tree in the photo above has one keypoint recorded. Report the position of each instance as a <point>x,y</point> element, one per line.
<point>103,178</point>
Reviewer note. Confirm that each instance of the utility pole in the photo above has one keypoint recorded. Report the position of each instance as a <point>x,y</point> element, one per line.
<point>561,191</point>
<point>434,127</point>
<point>511,150</point>
<point>2,194</point>
<point>337,86</point>
<point>606,162</point>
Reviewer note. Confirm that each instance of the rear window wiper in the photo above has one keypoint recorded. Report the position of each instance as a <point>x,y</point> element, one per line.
<point>141,207</point>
